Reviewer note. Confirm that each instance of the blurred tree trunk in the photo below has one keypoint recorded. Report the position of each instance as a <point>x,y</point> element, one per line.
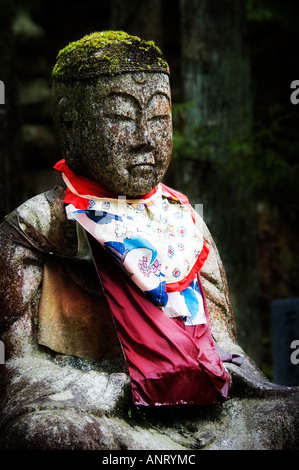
<point>138,17</point>
<point>216,79</point>
<point>10,172</point>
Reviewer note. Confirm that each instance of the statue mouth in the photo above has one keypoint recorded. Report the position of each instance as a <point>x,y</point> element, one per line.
<point>141,169</point>
<point>141,165</point>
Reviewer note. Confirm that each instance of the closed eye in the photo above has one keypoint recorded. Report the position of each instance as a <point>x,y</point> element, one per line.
<point>158,117</point>
<point>119,117</point>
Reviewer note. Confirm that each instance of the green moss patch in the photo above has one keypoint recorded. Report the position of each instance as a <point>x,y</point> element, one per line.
<point>108,53</point>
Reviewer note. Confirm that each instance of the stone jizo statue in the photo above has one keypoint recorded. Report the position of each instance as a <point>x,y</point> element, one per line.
<point>114,300</point>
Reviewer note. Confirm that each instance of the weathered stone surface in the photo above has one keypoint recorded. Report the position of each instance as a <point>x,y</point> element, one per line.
<point>125,123</point>
<point>56,405</point>
<point>54,400</point>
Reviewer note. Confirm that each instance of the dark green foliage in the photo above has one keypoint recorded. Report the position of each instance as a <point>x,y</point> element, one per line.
<point>189,141</point>
<point>269,163</point>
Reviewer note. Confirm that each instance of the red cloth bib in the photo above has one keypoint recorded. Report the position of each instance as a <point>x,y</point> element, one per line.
<point>168,363</point>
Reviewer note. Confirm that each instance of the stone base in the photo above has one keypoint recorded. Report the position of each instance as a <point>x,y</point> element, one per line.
<point>67,404</point>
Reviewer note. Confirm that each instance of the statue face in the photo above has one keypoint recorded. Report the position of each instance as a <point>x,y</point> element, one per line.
<point>123,137</point>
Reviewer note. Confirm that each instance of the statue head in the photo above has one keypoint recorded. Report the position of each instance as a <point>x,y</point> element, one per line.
<point>112,111</point>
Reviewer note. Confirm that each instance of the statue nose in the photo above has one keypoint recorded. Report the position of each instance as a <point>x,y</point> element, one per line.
<point>143,145</point>
<point>143,137</point>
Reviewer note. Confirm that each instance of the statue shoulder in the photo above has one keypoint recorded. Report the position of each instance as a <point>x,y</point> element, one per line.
<point>40,222</point>
<point>41,210</point>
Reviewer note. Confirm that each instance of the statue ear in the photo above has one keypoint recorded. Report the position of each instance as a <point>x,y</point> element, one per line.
<point>68,119</point>
<point>64,116</point>
<point>64,120</point>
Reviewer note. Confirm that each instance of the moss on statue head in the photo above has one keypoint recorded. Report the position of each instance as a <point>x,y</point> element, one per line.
<point>108,53</point>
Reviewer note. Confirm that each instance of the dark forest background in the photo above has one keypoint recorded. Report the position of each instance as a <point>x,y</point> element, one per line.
<point>235,129</point>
